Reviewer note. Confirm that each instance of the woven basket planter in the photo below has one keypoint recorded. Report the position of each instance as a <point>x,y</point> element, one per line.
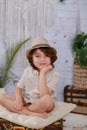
<point>80,77</point>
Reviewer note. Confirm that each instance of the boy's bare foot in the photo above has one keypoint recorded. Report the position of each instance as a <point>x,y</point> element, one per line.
<point>29,113</point>
<point>43,115</point>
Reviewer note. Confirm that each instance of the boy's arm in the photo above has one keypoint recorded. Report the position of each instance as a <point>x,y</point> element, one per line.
<point>18,99</point>
<point>43,88</point>
<point>18,93</point>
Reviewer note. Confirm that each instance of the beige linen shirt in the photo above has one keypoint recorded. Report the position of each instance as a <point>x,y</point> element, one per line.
<point>29,82</point>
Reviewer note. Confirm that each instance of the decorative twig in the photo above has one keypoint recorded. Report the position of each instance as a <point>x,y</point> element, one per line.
<point>61,0</point>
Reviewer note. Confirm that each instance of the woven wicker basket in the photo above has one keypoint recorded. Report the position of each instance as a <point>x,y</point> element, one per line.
<point>80,77</point>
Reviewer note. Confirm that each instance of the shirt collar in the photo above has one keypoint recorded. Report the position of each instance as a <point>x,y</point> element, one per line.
<point>35,72</point>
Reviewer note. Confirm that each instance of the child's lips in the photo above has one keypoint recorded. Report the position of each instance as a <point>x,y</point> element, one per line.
<point>43,64</point>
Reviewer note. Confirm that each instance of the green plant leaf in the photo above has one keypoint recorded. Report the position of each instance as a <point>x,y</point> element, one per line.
<point>10,55</point>
<point>79,42</point>
<point>81,56</point>
<point>80,48</point>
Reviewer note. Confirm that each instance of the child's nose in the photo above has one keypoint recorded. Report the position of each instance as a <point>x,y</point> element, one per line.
<point>42,58</point>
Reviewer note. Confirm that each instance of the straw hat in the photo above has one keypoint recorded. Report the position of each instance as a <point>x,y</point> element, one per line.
<point>37,43</point>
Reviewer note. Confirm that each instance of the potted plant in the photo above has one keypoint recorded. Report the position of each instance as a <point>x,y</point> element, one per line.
<point>80,60</point>
<point>5,74</point>
<point>80,49</point>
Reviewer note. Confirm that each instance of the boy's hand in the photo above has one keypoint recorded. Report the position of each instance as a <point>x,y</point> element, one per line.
<point>46,69</point>
<point>18,105</point>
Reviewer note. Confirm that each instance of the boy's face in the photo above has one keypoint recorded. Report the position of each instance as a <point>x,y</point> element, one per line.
<point>40,60</point>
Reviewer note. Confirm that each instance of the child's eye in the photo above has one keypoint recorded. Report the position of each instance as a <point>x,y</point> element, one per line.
<point>37,56</point>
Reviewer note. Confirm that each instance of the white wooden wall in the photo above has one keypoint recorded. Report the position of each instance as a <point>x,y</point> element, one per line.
<point>58,22</point>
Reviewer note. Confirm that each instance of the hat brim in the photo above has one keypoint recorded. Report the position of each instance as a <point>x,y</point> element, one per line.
<point>36,47</point>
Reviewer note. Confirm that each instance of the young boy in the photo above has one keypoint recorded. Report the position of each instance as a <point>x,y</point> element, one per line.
<point>35,91</point>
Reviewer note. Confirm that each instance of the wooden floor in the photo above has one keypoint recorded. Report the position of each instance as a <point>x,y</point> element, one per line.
<point>75,122</point>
